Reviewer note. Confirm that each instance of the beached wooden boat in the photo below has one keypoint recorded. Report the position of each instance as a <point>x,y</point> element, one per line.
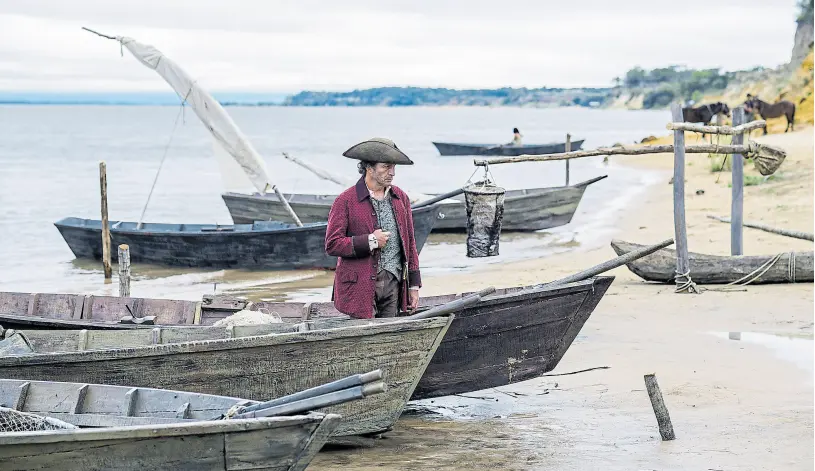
<point>790,267</point>
<point>261,244</point>
<point>524,210</point>
<point>242,362</point>
<point>124,428</point>
<point>450,148</point>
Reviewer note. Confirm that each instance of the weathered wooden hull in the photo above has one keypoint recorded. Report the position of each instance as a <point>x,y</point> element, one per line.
<point>258,367</point>
<point>715,269</point>
<point>524,210</point>
<point>248,246</point>
<point>277,443</point>
<point>449,148</point>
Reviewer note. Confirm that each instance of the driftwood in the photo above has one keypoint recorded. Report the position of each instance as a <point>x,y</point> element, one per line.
<point>773,230</point>
<point>611,264</point>
<point>735,130</point>
<point>103,187</point>
<point>766,158</point>
<point>666,429</point>
<point>124,271</point>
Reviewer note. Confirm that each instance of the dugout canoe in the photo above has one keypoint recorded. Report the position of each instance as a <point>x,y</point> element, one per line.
<point>524,210</point>
<point>790,267</point>
<point>261,244</point>
<point>515,334</point>
<point>251,362</point>
<point>451,148</point>
<point>118,424</point>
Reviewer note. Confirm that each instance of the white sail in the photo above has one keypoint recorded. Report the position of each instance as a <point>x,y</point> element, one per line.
<point>211,113</point>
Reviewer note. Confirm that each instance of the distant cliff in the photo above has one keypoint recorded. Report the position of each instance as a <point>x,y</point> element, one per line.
<point>417,96</point>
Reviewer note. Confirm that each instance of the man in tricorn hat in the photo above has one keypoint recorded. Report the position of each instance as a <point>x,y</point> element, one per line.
<point>370,229</point>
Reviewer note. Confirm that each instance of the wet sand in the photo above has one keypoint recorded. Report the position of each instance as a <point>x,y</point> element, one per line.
<point>737,400</point>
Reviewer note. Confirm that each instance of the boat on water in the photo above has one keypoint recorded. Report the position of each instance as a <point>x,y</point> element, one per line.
<point>251,362</point>
<point>524,210</point>
<point>259,245</point>
<point>450,148</point>
<point>789,267</point>
<point>129,428</point>
<point>512,335</point>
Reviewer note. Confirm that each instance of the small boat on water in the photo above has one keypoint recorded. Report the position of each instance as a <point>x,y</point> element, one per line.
<point>789,267</point>
<point>126,428</point>
<point>524,210</point>
<point>251,362</point>
<point>258,245</point>
<point>513,335</point>
<point>450,148</point>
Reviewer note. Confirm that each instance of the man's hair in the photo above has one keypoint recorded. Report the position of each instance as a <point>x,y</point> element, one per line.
<point>363,165</point>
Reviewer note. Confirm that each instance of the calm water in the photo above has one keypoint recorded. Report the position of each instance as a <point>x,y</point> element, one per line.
<point>49,159</point>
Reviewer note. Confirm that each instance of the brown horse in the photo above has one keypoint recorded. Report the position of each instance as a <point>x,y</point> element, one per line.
<point>765,110</point>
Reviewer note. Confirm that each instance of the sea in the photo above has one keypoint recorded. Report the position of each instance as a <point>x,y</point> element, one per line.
<point>49,169</point>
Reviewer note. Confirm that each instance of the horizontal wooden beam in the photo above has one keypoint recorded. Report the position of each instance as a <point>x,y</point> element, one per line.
<point>741,129</point>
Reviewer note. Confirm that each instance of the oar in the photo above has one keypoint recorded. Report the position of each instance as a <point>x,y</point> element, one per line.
<point>321,390</point>
<point>453,306</point>
<point>436,199</point>
<point>316,402</point>
<point>613,263</point>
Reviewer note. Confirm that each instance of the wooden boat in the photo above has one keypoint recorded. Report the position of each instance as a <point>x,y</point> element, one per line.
<point>243,362</point>
<point>513,335</point>
<point>716,269</point>
<point>259,245</point>
<point>524,210</point>
<point>450,148</point>
<point>126,428</point>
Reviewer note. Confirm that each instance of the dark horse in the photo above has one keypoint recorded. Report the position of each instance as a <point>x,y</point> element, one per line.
<point>705,113</point>
<point>766,110</point>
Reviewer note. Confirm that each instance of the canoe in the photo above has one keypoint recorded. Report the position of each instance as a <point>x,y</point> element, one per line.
<point>243,361</point>
<point>513,335</point>
<point>257,245</point>
<point>717,269</point>
<point>119,423</point>
<point>450,148</point>
<point>524,210</point>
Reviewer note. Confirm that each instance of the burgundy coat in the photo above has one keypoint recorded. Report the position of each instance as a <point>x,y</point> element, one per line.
<point>351,219</point>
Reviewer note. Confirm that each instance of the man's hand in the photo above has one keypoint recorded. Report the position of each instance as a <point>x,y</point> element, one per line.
<point>381,237</point>
<point>414,300</point>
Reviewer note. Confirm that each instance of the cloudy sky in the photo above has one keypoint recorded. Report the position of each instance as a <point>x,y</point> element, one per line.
<point>287,46</point>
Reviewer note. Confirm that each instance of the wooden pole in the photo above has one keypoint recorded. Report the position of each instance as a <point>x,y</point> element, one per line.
<point>737,201</point>
<point>666,429</point>
<point>784,232</point>
<point>124,271</point>
<point>568,149</point>
<point>103,184</point>
<point>680,231</point>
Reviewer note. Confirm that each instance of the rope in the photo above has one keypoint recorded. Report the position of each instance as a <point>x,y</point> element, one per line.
<point>758,273</point>
<point>688,286</point>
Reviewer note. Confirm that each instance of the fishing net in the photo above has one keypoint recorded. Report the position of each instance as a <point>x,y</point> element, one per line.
<point>485,211</point>
<point>16,421</point>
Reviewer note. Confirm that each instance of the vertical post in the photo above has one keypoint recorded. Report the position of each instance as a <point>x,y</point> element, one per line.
<point>124,271</point>
<point>737,196</point>
<point>666,429</point>
<point>680,231</point>
<point>568,149</point>
<point>103,184</point>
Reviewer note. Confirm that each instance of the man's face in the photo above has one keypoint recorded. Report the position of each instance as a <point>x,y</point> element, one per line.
<point>383,173</point>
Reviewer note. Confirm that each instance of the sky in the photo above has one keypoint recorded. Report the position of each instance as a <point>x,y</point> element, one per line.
<point>289,46</point>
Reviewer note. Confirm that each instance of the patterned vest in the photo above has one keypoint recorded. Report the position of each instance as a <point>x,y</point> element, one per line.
<point>390,257</point>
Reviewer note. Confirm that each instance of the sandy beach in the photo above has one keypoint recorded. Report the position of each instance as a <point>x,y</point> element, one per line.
<point>735,367</point>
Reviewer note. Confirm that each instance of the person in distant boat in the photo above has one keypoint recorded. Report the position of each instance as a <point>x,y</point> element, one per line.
<point>516,138</point>
<point>370,230</point>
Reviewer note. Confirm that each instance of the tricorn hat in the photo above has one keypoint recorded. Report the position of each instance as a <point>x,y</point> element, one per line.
<point>378,149</point>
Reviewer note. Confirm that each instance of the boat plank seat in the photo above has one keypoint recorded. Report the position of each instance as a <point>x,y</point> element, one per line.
<point>166,311</point>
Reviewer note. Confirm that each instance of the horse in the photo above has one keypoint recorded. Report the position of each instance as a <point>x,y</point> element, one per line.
<point>705,113</point>
<point>766,110</point>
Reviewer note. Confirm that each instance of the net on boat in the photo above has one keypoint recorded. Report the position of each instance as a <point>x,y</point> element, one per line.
<point>485,212</point>
<point>15,421</point>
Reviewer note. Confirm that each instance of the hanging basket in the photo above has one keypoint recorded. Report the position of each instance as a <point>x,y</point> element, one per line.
<point>485,211</point>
